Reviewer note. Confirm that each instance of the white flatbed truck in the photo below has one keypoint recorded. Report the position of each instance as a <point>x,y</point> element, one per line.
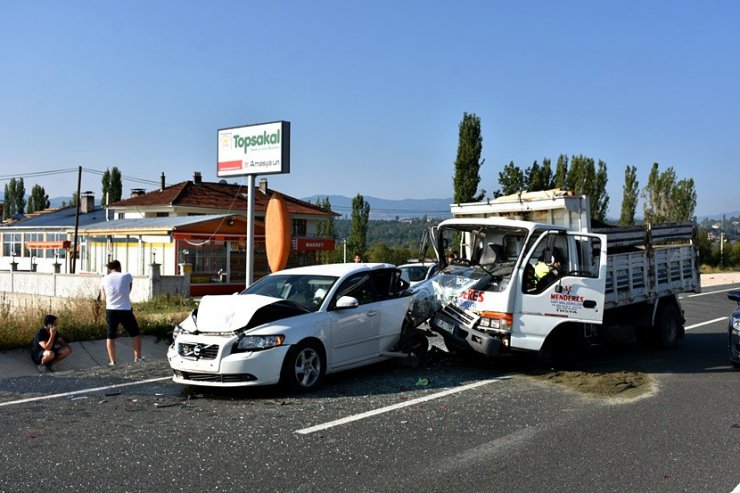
<point>611,282</point>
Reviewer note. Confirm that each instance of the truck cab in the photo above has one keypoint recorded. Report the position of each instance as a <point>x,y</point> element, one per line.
<point>496,296</point>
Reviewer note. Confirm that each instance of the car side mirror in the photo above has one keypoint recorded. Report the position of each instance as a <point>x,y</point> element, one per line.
<point>347,302</point>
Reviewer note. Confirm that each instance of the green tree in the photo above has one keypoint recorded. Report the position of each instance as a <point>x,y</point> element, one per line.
<point>584,179</point>
<point>357,240</point>
<point>73,200</point>
<point>7,202</point>
<point>13,189</point>
<point>38,199</point>
<point>561,172</point>
<point>106,187</point>
<point>599,192</point>
<point>468,161</point>
<point>20,196</point>
<point>683,200</point>
<point>511,179</point>
<point>630,194</point>
<point>116,185</point>
<point>666,199</point>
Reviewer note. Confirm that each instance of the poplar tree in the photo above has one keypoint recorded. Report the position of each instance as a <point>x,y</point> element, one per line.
<point>666,199</point>
<point>20,196</point>
<point>38,199</point>
<point>116,185</point>
<point>106,187</point>
<point>511,179</point>
<point>468,161</point>
<point>561,172</point>
<point>630,193</point>
<point>357,241</point>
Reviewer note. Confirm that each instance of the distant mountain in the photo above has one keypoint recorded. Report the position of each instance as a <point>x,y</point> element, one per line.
<point>388,208</point>
<point>57,201</point>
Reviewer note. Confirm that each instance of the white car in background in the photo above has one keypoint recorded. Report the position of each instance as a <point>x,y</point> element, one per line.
<point>296,325</point>
<point>419,271</point>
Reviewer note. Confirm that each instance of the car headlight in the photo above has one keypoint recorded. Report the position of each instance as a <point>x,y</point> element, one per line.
<point>258,343</point>
<point>179,330</point>
<point>735,322</point>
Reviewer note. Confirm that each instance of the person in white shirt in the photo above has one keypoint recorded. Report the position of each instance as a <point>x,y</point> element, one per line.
<point>116,293</point>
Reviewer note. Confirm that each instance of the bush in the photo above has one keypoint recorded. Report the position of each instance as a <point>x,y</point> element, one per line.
<point>84,320</point>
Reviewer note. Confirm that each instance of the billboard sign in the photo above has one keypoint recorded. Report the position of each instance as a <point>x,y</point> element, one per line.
<point>261,149</point>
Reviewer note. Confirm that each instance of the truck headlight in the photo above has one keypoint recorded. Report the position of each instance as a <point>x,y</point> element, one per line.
<point>496,321</point>
<point>258,343</point>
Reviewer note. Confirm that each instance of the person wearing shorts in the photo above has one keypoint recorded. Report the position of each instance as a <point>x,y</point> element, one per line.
<point>116,291</point>
<point>48,346</point>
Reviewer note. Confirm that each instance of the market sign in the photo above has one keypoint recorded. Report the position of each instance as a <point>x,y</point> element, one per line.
<point>313,244</point>
<point>261,149</point>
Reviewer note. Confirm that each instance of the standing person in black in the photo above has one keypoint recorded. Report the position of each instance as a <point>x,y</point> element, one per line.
<point>48,346</point>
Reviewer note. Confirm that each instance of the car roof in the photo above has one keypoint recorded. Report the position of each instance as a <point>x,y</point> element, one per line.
<point>338,270</point>
<point>417,264</point>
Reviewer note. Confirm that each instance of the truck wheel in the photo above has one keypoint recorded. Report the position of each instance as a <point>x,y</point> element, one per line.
<point>668,327</point>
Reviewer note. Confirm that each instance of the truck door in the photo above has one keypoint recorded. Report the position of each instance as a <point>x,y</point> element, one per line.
<point>562,279</point>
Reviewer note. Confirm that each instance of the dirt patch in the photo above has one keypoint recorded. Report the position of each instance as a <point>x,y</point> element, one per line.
<point>720,279</point>
<point>620,385</point>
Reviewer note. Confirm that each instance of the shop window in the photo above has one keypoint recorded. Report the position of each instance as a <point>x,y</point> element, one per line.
<point>12,244</point>
<point>299,228</point>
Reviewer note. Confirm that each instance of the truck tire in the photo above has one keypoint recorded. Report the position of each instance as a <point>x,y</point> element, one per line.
<point>668,327</point>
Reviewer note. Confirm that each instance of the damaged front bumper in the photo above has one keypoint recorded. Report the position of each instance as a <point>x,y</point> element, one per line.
<point>461,329</point>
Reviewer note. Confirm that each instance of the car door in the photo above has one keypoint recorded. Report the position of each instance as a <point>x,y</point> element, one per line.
<point>575,294</point>
<point>392,299</point>
<point>355,331</point>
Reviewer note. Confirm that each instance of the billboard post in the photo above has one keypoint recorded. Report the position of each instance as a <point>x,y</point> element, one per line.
<point>251,150</point>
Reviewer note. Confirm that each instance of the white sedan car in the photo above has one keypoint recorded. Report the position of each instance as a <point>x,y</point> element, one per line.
<point>296,325</point>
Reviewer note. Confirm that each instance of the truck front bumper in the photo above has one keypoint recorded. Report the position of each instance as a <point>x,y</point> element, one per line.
<point>458,335</point>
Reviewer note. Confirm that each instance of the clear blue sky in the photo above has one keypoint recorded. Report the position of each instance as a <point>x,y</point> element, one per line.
<point>374,90</point>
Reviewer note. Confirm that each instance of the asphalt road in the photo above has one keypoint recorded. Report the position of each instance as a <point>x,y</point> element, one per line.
<point>495,430</point>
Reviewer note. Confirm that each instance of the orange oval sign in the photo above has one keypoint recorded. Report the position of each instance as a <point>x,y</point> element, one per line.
<point>277,233</point>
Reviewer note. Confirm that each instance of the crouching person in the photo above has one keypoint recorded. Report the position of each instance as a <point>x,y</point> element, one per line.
<point>48,346</point>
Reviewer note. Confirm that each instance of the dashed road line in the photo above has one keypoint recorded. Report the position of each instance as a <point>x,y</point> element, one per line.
<point>711,292</point>
<point>705,323</point>
<point>400,405</point>
<point>78,392</point>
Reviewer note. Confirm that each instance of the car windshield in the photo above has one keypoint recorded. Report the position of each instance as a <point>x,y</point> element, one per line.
<point>308,290</point>
<point>416,272</point>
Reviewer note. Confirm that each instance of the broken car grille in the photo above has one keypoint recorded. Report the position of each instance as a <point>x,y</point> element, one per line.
<point>200,351</point>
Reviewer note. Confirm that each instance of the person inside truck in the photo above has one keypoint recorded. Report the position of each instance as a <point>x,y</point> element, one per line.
<point>547,270</point>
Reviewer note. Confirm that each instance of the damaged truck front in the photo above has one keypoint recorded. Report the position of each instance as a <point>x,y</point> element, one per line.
<point>489,299</point>
<point>528,273</point>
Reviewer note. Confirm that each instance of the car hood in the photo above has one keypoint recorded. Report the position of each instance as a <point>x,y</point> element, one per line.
<point>229,313</point>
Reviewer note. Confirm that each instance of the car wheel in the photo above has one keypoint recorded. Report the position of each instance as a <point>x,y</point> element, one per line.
<point>668,327</point>
<point>304,366</point>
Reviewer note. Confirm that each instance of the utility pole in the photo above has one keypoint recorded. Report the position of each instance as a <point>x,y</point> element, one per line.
<point>73,262</point>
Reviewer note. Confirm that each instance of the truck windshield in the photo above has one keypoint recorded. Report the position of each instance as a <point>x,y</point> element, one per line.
<point>483,255</point>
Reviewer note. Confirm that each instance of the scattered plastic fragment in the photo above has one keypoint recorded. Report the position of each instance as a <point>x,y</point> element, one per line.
<point>735,425</point>
<point>79,397</point>
<point>103,401</point>
<point>109,394</point>
<point>422,382</point>
<point>171,404</point>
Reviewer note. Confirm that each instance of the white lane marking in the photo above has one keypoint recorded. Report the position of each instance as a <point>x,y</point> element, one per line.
<point>85,391</point>
<point>705,323</point>
<point>710,292</point>
<point>400,405</point>
<point>737,489</point>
